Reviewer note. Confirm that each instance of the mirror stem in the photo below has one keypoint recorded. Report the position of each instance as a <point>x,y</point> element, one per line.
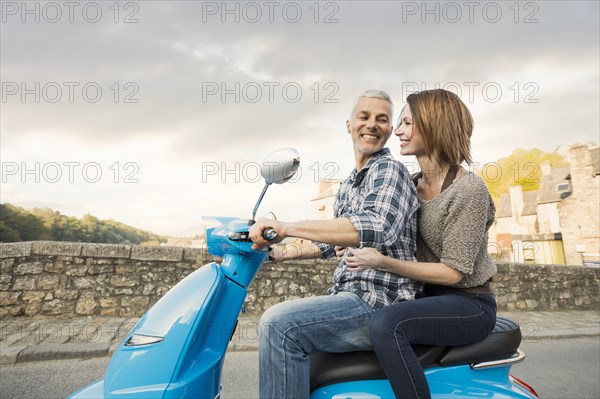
<point>251,222</point>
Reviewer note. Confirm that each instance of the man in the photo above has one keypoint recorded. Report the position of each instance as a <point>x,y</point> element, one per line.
<point>375,207</point>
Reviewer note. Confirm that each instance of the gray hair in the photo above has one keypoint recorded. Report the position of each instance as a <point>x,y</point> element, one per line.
<point>377,94</point>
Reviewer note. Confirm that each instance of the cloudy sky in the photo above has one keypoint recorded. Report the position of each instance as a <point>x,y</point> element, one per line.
<point>155,113</point>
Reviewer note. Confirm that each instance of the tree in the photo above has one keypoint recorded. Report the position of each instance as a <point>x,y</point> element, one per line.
<point>18,224</point>
<point>521,168</point>
<point>8,234</point>
<point>26,226</point>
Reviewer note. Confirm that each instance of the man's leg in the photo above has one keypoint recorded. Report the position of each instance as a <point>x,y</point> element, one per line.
<point>291,330</point>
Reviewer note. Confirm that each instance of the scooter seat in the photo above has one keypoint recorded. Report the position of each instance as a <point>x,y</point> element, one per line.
<point>334,368</point>
<point>501,343</point>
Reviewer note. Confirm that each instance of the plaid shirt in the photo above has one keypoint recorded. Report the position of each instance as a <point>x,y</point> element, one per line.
<point>381,202</point>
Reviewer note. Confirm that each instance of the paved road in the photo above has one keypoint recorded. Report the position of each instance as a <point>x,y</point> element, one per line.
<point>566,368</point>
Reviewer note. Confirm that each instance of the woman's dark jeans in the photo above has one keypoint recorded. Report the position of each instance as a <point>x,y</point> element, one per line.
<point>443,318</point>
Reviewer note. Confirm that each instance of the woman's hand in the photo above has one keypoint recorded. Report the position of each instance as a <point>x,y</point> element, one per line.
<point>339,252</point>
<point>364,258</point>
<point>277,253</point>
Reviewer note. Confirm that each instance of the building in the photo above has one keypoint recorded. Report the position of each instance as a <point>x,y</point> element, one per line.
<point>324,201</point>
<point>580,213</point>
<point>557,224</point>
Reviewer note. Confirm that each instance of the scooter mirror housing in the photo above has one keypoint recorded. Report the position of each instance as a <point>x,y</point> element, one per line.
<point>280,165</point>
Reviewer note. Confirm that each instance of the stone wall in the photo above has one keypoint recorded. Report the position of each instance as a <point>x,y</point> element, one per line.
<point>580,212</point>
<point>75,279</point>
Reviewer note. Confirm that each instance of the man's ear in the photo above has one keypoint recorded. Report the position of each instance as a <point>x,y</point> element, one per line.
<point>348,126</point>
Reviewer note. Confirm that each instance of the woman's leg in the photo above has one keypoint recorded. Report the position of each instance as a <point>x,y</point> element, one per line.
<point>445,320</point>
<point>291,330</point>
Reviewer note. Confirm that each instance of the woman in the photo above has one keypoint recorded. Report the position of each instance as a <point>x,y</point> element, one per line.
<point>457,306</point>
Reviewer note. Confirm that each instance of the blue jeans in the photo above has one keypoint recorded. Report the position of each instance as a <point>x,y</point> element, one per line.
<point>441,319</point>
<point>290,331</point>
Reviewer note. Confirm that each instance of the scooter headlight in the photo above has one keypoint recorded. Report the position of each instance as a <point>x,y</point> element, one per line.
<point>139,340</point>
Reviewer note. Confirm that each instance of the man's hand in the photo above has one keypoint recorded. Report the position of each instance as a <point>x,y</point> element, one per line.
<point>256,232</point>
<point>339,252</point>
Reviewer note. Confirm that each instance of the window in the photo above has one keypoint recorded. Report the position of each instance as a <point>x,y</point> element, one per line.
<point>562,187</point>
<point>529,255</point>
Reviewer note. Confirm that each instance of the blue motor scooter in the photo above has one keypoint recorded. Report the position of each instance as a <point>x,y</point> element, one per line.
<point>173,352</point>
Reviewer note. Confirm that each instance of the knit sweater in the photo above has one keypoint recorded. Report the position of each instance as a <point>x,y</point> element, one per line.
<point>453,229</point>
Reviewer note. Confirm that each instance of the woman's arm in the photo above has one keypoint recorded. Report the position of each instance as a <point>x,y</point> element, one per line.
<point>434,273</point>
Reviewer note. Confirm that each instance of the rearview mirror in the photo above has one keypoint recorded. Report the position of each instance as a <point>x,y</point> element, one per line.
<point>280,165</point>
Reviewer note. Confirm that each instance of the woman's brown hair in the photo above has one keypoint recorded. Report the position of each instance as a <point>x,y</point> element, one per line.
<point>445,123</point>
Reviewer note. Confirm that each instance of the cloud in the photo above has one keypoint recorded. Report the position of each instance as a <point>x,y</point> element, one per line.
<point>180,87</point>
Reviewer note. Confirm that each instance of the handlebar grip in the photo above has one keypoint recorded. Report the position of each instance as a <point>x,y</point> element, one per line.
<point>269,234</point>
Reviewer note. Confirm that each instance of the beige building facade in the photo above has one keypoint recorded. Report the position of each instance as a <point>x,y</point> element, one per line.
<point>557,224</point>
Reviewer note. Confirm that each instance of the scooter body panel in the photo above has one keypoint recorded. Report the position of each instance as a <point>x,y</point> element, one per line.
<point>147,370</point>
<point>456,382</point>
<point>199,372</point>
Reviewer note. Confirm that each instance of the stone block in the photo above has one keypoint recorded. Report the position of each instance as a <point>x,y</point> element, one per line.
<point>135,301</point>
<point>48,282</point>
<point>55,248</point>
<point>149,289</point>
<point>268,302</point>
<point>83,283</point>
<point>29,268</point>
<point>11,311</point>
<point>125,280</point>
<point>86,304</point>
<point>192,254</point>
<point>281,287</point>
<point>106,250</point>
<point>9,298</point>
<point>66,294</point>
<point>76,270</point>
<point>108,302</point>
<point>54,267</point>
<point>124,269</point>
<point>24,284</point>
<point>58,307</point>
<point>32,309</point>
<point>15,249</point>
<point>5,280</point>
<point>33,296</point>
<point>100,269</point>
<point>174,254</point>
<point>7,266</point>
<point>109,312</point>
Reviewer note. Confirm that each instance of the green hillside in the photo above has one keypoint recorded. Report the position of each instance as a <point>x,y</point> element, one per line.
<point>18,224</point>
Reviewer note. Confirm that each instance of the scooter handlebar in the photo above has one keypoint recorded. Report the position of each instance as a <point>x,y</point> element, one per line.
<point>269,234</point>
